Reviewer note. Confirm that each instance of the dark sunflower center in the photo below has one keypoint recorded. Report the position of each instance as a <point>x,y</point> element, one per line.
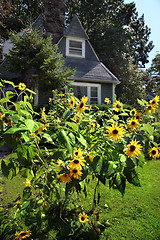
<point>74,170</point>
<point>132,148</point>
<point>115,131</point>
<point>71,102</point>
<point>153,152</point>
<point>153,102</point>
<point>137,117</point>
<point>23,234</point>
<point>133,123</point>
<point>81,105</point>
<point>76,153</point>
<point>82,218</point>
<point>76,161</point>
<point>118,106</point>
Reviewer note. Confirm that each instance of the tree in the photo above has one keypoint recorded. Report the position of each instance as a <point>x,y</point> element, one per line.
<point>133,84</point>
<point>16,14</point>
<point>37,60</point>
<point>114,29</point>
<point>153,81</point>
<point>117,34</point>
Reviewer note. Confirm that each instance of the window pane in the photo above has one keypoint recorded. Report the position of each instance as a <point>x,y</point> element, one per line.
<point>93,101</point>
<point>79,91</point>
<point>75,44</point>
<point>75,47</point>
<point>75,52</point>
<point>93,91</point>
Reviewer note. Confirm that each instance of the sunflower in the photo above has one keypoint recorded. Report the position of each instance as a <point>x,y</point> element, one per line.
<point>65,178</point>
<point>133,123</point>
<point>150,108</point>
<point>118,106</point>
<point>76,119</point>
<point>72,102</point>
<point>92,125</point>
<point>27,183</point>
<point>133,148</point>
<point>138,116</point>
<point>17,205</point>
<point>41,128</point>
<point>76,163</point>
<point>153,152</point>
<point>155,101</point>
<point>133,112</point>
<point>81,107</point>
<point>90,157</point>
<point>44,204</point>
<point>78,153</point>
<point>59,164</point>
<point>43,115</point>
<point>115,132</point>
<point>21,86</point>
<point>2,115</point>
<point>75,173</point>
<point>107,100</point>
<point>49,99</point>
<point>22,235</point>
<point>83,218</point>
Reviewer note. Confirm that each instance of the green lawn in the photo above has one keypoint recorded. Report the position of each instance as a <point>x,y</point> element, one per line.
<point>136,216</point>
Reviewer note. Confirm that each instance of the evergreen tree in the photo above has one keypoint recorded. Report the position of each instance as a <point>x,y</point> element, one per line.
<point>15,15</point>
<point>37,61</point>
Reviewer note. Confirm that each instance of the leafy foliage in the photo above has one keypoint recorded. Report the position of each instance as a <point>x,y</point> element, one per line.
<point>37,60</point>
<point>61,151</point>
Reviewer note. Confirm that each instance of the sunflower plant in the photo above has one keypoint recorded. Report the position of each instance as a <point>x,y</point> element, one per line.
<point>60,151</point>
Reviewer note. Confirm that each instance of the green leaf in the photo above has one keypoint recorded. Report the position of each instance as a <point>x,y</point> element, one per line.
<point>25,204</point>
<point>47,137</point>
<point>10,94</point>
<point>69,186</point>
<point>72,137</point>
<point>148,128</point>
<point>65,140</point>
<point>132,176</point>
<point>16,129</point>
<point>30,124</point>
<point>81,139</point>
<point>9,82</point>
<point>73,125</point>
<point>142,102</point>
<point>111,168</point>
<point>141,158</point>
<point>66,114</point>
<point>29,90</point>
<point>119,181</point>
<point>26,193</point>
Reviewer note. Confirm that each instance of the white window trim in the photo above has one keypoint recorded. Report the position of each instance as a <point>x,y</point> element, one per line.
<point>73,55</point>
<point>89,85</point>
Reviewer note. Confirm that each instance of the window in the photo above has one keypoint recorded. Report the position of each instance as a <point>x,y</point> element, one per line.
<point>75,48</point>
<point>93,91</point>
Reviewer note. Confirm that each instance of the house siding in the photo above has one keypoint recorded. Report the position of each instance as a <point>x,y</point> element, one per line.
<point>62,46</point>
<point>90,55</point>
<point>43,97</point>
<point>106,91</point>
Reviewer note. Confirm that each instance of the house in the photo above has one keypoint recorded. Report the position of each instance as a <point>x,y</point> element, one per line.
<point>91,78</point>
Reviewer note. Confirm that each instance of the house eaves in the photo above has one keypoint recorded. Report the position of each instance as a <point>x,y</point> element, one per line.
<point>90,71</point>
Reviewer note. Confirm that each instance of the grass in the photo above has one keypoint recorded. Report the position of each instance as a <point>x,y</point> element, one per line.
<point>136,216</point>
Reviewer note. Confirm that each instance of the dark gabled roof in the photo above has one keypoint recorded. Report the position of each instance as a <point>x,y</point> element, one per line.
<point>91,71</point>
<point>75,29</point>
<point>39,23</point>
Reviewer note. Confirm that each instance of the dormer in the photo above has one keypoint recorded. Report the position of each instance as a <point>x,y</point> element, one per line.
<point>75,39</point>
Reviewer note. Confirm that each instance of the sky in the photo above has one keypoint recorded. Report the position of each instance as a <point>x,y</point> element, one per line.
<point>151,10</point>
